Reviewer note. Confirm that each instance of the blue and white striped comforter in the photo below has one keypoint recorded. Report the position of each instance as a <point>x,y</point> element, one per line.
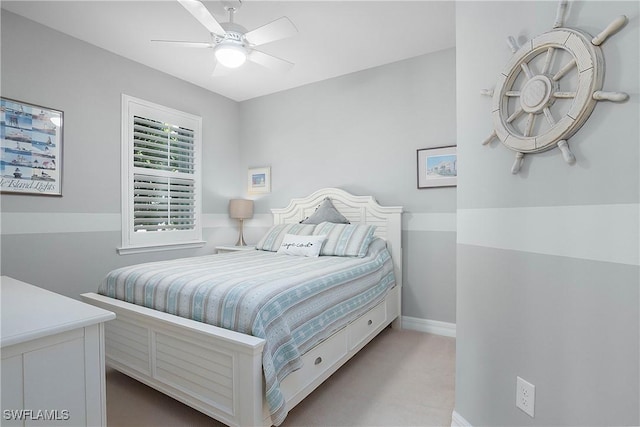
<point>292,302</point>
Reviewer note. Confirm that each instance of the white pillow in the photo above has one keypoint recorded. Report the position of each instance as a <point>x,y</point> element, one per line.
<point>309,246</point>
<point>272,240</point>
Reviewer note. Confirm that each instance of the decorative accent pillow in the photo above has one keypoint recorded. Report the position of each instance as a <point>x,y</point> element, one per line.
<point>272,240</point>
<point>345,239</point>
<point>309,246</point>
<point>325,212</point>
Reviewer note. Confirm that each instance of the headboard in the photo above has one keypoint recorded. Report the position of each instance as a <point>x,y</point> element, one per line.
<point>358,210</point>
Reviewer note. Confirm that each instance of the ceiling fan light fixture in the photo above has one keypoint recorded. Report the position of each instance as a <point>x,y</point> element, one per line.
<point>231,55</point>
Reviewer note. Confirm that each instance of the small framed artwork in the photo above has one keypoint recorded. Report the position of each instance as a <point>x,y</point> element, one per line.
<point>30,149</point>
<point>260,180</point>
<point>437,167</point>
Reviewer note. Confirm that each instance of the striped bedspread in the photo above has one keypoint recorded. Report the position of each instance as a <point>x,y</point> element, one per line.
<point>292,302</point>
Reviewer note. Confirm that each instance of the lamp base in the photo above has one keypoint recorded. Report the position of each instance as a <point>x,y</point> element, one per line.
<point>241,241</point>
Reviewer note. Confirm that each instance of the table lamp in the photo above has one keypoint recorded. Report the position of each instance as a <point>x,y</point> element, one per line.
<point>240,209</point>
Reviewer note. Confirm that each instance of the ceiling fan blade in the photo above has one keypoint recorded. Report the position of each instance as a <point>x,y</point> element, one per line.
<point>276,30</point>
<point>202,14</point>
<point>269,61</point>
<point>186,43</point>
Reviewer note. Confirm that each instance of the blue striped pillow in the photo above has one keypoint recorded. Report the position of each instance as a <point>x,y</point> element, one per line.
<point>272,240</point>
<point>345,239</point>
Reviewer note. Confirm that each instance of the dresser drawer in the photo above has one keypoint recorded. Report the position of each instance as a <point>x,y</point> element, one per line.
<point>365,326</point>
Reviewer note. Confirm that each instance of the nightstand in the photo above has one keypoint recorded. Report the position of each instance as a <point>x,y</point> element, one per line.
<point>224,249</point>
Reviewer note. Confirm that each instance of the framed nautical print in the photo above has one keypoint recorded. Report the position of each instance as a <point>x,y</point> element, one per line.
<point>437,167</point>
<point>30,149</point>
<point>259,180</point>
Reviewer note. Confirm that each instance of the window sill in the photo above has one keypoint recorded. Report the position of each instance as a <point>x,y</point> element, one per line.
<point>157,248</point>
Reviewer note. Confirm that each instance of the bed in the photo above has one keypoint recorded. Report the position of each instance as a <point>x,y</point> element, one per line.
<point>219,371</point>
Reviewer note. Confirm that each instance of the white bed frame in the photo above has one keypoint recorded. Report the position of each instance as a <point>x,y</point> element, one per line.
<point>218,371</point>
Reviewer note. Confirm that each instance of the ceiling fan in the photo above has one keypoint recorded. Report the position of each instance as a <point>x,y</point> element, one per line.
<point>232,44</point>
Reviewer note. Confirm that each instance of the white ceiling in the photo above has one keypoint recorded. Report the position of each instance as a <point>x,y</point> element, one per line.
<point>335,37</point>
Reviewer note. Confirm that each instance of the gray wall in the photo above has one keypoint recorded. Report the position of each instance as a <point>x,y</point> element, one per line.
<point>71,241</point>
<point>547,260</point>
<point>360,132</point>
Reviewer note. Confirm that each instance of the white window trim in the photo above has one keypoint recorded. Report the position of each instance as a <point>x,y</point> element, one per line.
<point>152,242</point>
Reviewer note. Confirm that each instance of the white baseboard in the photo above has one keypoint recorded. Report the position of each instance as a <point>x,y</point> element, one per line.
<point>458,421</point>
<point>430,326</point>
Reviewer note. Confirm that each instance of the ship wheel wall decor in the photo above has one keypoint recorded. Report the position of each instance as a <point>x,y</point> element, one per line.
<point>536,106</point>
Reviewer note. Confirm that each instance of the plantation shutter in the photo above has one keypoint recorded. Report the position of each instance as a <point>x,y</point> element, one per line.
<point>162,146</point>
<point>162,162</point>
<point>162,203</point>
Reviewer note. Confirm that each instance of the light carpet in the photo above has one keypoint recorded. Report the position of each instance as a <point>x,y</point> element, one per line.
<point>401,378</point>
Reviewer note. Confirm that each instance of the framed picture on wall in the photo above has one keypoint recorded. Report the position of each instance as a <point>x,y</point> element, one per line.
<point>437,167</point>
<point>260,180</point>
<point>30,149</point>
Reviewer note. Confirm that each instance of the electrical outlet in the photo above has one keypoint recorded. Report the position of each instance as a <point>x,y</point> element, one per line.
<point>525,396</point>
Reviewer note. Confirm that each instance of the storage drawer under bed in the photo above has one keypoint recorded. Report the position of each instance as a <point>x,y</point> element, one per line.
<point>366,325</point>
<point>316,362</point>
<point>325,358</point>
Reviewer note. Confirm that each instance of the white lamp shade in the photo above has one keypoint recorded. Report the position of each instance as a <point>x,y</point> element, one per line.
<point>240,208</point>
<point>231,55</point>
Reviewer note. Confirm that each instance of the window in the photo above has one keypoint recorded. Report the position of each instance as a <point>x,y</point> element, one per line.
<point>161,190</point>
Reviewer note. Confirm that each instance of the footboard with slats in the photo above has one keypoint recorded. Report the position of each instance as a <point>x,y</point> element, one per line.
<point>214,370</point>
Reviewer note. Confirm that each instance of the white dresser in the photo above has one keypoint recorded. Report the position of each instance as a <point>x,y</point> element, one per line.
<point>52,351</point>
